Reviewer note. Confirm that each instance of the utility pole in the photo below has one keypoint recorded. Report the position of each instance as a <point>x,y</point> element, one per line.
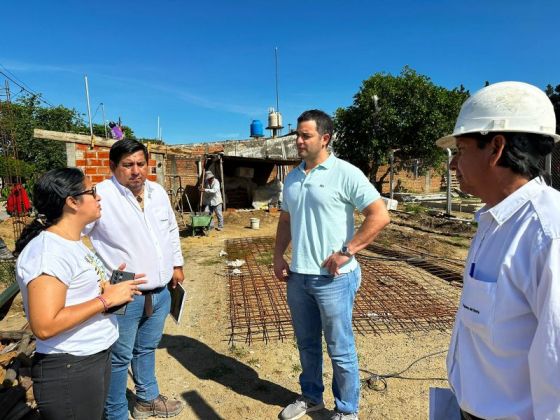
<point>104,121</point>
<point>89,112</point>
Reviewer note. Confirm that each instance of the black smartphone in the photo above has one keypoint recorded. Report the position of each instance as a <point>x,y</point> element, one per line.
<point>117,277</point>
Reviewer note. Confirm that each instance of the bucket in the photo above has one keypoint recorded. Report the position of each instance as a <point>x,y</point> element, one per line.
<point>255,223</point>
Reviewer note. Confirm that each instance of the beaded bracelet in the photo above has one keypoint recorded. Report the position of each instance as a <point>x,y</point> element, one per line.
<point>104,302</point>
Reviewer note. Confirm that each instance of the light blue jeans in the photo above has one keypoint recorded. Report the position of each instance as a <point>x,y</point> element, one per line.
<point>138,339</point>
<point>218,210</point>
<point>324,304</point>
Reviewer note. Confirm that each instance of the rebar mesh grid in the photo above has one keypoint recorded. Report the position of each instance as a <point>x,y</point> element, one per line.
<point>448,269</point>
<point>398,297</point>
<point>401,291</point>
<point>257,304</point>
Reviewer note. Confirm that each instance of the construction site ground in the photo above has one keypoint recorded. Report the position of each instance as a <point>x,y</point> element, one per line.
<point>197,364</point>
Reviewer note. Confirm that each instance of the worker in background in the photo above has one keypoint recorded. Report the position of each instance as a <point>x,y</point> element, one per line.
<point>504,356</point>
<point>116,131</point>
<point>212,199</point>
<point>317,217</point>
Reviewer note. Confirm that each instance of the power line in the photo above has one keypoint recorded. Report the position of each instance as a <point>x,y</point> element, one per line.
<point>17,78</point>
<point>26,89</point>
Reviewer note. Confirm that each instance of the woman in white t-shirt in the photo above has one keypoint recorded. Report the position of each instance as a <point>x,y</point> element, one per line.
<point>66,298</point>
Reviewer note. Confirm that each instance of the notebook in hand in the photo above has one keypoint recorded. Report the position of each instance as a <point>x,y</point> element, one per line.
<point>178,297</point>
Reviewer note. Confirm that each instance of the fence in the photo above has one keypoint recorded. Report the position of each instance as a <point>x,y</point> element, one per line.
<point>555,167</point>
<point>412,176</point>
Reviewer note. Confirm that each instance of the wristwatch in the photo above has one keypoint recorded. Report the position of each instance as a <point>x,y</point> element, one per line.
<point>345,251</point>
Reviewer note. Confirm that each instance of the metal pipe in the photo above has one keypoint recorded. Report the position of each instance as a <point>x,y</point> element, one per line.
<point>391,162</point>
<point>104,121</point>
<point>449,157</point>
<point>223,185</point>
<point>276,65</point>
<point>89,112</point>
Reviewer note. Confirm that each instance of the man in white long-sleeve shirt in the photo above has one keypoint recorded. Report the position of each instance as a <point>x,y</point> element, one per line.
<point>138,226</point>
<point>504,356</point>
<point>213,198</point>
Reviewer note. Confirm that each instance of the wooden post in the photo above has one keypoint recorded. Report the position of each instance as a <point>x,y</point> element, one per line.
<point>223,183</point>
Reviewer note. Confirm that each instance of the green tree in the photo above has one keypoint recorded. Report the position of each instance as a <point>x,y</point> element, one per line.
<point>406,112</point>
<point>26,115</point>
<point>11,167</point>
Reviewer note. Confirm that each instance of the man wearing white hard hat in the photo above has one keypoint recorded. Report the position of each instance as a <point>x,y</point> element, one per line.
<point>504,356</point>
<point>213,198</point>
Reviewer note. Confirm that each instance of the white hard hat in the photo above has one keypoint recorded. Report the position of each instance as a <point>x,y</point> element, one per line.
<point>505,107</point>
<point>208,175</point>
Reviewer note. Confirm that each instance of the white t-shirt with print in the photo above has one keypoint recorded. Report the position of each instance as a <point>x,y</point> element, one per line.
<point>80,270</point>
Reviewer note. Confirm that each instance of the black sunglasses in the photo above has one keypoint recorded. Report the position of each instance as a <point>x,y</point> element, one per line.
<point>92,192</point>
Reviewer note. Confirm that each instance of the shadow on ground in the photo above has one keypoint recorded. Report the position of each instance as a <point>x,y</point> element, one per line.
<point>207,364</point>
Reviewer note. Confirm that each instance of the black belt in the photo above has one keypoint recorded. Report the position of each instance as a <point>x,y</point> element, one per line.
<point>467,416</point>
<point>148,305</point>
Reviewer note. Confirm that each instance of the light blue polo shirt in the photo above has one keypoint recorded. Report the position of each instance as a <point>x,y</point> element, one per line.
<point>321,206</point>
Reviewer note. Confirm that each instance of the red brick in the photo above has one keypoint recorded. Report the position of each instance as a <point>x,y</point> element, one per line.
<point>103,154</point>
<point>80,162</point>
<point>152,177</point>
<point>97,178</point>
<point>82,147</point>
<point>90,171</point>
<point>93,162</point>
<point>103,170</point>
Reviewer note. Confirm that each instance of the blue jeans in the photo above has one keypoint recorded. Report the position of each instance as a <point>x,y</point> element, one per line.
<point>324,304</point>
<point>139,337</point>
<point>218,210</point>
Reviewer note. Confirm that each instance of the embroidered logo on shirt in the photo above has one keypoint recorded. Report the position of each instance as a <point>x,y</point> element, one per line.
<point>476,311</point>
<point>97,266</point>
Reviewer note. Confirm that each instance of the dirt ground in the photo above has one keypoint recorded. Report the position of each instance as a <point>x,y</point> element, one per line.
<point>217,381</point>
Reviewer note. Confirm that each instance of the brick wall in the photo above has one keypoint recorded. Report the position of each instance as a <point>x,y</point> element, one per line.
<point>95,162</point>
<point>183,172</point>
<point>431,182</point>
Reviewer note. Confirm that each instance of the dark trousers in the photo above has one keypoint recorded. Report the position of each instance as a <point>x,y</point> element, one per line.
<point>68,387</point>
<point>467,416</point>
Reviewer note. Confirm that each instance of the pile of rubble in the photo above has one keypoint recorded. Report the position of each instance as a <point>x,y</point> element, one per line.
<point>16,390</point>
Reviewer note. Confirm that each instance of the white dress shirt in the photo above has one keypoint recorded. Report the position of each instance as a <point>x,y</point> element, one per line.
<point>147,241</point>
<point>212,193</point>
<point>504,357</point>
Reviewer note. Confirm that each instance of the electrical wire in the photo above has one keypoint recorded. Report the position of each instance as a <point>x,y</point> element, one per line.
<point>15,77</point>
<point>24,88</point>
<point>378,382</point>
<point>97,109</point>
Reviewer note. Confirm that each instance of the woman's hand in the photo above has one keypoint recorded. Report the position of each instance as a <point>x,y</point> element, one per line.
<point>124,292</point>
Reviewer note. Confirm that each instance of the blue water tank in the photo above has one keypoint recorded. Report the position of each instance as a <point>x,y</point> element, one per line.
<point>257,129</point>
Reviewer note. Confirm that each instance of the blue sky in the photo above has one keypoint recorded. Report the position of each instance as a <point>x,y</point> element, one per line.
<point>207,68</point>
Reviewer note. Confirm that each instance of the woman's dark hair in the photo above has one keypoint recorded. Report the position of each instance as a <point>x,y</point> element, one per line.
<point>523,152</point>
<point>126,147</point>
<point>49,196</point>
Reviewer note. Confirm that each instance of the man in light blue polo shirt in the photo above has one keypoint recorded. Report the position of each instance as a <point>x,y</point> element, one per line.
<point>317,217</point>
